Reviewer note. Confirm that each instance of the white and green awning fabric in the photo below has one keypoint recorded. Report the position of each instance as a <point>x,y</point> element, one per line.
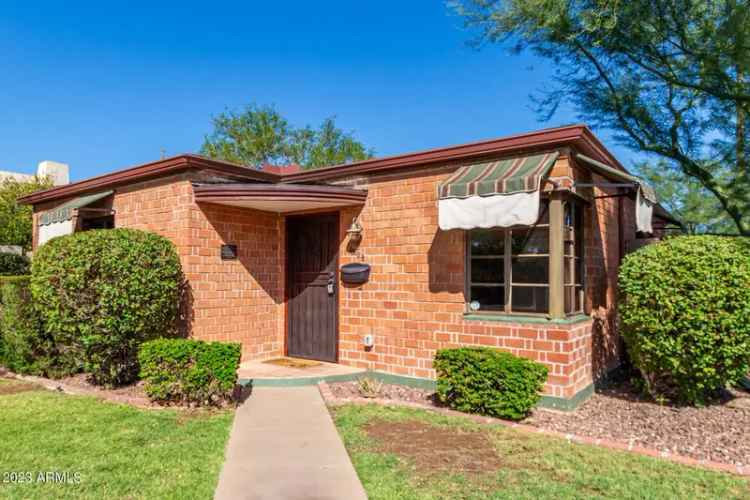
<point>499,193</point>
<point>65,211</point>
<point>645,197</point>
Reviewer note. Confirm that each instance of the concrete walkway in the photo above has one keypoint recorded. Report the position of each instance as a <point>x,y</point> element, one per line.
<point>284,445</point>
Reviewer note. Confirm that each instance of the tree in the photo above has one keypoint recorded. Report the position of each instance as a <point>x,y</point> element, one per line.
<point>668,77</point>
<point>699,210</point>
<point>260,135</point>
<point>16,225</point>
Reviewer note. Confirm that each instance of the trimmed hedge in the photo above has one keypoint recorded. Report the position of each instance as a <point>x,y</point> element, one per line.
<point>489,382</point>
<point>12,264</point>
<point>23,346</point>
<point>100,294</point>
<point>189,371</point>
<point>685,315</point>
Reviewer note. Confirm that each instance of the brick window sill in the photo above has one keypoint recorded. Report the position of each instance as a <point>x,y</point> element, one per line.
<point>519,318</point>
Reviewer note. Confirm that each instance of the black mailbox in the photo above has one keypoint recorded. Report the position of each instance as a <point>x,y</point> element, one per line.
<point>228,252</point>
<point>355,274</point>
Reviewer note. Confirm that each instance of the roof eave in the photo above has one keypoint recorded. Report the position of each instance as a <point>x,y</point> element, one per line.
<point>144,172</point>
<point>578,136</point>
<point>240,191</point>
<point>664,214</point>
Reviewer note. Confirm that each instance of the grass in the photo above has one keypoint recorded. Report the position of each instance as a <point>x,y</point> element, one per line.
<point>532,466</point>
<point>117,450</point>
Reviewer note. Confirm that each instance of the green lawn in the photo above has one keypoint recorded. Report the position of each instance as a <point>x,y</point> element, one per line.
<point>419,458</point>
<point>118,451</point>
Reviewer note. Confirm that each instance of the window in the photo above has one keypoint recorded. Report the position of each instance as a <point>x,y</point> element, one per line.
<point>573,260</point>
<point>487,280</point>
<point>509,269</point>
<point>103,222</point>
<point>97,217</point>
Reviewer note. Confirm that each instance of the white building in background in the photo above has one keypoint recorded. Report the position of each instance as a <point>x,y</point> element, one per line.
<point>59,173</point>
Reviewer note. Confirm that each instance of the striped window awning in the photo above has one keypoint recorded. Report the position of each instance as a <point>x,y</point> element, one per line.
<point>65,211</point>
<point>645,196</point>
<point>500,193</point>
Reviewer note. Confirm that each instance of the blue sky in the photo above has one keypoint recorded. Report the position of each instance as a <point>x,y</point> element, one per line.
<point>104,86</point>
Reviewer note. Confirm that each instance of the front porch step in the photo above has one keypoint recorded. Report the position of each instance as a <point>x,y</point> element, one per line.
<point>263,374</point>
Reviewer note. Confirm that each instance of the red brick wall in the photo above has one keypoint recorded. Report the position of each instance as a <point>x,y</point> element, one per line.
<point>414,302</point>
<point>235,300</point>
<point>232,300</point>
<point>603,254</point>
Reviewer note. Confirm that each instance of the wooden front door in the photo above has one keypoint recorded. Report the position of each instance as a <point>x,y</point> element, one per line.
<point>312,281</point>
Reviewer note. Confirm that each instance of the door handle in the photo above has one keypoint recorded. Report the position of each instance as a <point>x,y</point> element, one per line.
<point>331,283</point>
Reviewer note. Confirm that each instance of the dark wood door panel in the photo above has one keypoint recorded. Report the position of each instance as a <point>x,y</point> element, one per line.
<point>312,250</point>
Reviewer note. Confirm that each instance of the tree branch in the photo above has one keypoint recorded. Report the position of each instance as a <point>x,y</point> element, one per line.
<point>689,166</point>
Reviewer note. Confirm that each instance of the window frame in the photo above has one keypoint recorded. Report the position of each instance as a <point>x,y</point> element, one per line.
<point>577,259</point>
<point>83,218</point>
<point>551,255</point>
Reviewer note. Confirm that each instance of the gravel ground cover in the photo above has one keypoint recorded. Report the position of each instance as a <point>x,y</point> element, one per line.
<point>718,432</point>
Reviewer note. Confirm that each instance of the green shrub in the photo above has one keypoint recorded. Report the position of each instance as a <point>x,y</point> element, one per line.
<point>102,293</point>
<point>189,371</point>
<point>489,382</point>
<point>685,314</point>
<point>12,264</point>
<point>16,220</point>
<point>24,348</point>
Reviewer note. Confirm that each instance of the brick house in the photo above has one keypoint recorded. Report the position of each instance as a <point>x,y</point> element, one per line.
<point>512,243</point>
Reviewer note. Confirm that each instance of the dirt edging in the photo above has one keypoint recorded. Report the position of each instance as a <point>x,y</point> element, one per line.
<point>57,386</point>
<point>331,400</point>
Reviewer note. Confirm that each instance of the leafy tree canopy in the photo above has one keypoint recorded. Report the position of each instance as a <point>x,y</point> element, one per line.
<point>260,135</point>
<point>668,77</point>
<point>16,226</point>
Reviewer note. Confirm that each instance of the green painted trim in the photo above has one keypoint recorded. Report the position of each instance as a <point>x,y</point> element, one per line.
<point>390,378</point>
<point>566,404</point>
<point>512,318</point>
<point>297,381</point>
<point>416,382</point>
<point>431,385</point>
<point>745,383</point>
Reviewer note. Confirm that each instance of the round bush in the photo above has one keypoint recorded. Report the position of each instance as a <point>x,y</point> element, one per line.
<point>100,294</point>
<point>685,313</point>
<point>489,382</point>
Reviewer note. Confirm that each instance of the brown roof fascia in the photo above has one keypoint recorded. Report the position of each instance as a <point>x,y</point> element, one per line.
<point>247,191</point>
<point>148,171</point>
<point>578,136</point>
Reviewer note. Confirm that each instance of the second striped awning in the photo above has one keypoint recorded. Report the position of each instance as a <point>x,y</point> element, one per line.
<point>500,193</point>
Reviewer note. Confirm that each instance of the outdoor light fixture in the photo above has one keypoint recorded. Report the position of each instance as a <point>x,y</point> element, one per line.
<point>368,341</point>
<point>355,230</point>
